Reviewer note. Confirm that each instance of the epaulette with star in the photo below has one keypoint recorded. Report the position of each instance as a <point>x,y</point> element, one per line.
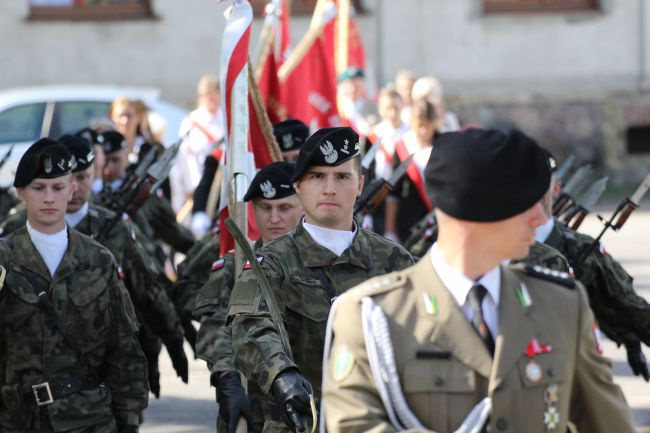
<point>561,278</point>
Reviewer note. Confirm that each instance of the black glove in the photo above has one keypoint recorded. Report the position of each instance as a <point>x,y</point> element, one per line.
<point>190,334</point>
<point>179,360</point>
<point>291,391</point>
<point>233,401</point>
<point>637,361</point>
<point>154,376</point>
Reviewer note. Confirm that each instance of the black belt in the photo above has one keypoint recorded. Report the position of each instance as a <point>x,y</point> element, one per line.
<point>46,393</point>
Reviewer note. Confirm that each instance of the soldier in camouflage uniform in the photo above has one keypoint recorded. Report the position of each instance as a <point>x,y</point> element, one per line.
<point>70,356</point>
<point>326,254</point>
<point>622,314</point>
<point>156,209</point>
<point>7,202</point>
<point>152,305</point>
<point>277,211</point>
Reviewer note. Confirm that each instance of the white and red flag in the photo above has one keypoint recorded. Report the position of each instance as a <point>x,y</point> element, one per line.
<point>238,160</point>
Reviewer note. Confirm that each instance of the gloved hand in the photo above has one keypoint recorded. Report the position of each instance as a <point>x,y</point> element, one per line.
<point>637,361</point>
<point>233,401</point>
<point>291,391</point>
<point>177,355</point>
<point>154,376</point>
<point>190,334</point>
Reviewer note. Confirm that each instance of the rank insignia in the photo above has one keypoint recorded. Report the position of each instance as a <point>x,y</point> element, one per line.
<point>217,264</point>
<point>430,304</point>
<point>551,394</point>
<point>343,363</point>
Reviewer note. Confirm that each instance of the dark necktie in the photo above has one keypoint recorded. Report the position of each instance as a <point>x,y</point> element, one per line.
<point>476,295</point>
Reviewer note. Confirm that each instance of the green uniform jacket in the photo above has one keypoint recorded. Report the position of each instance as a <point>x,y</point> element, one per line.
<point>444,369</point>
<point>621,313</point>
<point>152,304</point>
<point>193,273</point>
<point>89,297</point>
<point>291,263</point>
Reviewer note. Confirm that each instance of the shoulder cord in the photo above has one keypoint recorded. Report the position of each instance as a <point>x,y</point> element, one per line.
<point>382,364</point>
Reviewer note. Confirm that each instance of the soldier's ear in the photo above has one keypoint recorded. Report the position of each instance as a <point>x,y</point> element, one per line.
<point>361,181</point>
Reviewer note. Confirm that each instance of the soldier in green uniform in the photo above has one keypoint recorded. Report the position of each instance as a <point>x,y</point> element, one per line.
<point>70,359</point>
<point>326,254</point>
<point>277,211</point>
<point>460,342</point>
<point>7,202</point>
<point>152,305</point>
<point>622,314</point>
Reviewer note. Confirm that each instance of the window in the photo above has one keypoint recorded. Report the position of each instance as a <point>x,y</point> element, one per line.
<point>303,7</point>
<point>498,6</point>
<point>89,9</point>
<point>70,117</point>
<point>21,123</point>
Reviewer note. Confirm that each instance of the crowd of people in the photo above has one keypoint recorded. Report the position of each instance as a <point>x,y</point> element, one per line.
<point>459,305</point>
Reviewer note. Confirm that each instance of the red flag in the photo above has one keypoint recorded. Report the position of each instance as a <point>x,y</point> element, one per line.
<point>275,46</point>
<point>309,79</point>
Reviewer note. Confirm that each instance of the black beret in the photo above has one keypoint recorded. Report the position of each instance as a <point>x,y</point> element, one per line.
<point>290,134</point>
<point>486,175</point>
<point>90,135</point>
<point>329,147</point>
<point>45,159</point>
<point>81,151</point>
<point>112,141</point>
<point>272,182</point>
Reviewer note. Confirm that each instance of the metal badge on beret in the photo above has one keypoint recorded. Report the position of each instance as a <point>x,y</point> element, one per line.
<point>112,141</point>
<point>81,151</point>
<point>272,182</point>
<point>46,159</point>
<point>328,147</point>
<point>290,134</point>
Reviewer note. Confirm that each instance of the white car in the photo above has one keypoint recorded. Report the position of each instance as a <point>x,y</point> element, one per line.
<point>29,113</point>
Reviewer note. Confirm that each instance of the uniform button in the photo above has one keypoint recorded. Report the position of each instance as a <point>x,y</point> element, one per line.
<point>502,424</point>
<point>550,372</point>
<point>439,381</point>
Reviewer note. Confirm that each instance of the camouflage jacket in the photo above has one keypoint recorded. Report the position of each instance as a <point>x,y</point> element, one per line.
<point>88,296</point>
<point>193,273</point>
<point>292,264</point>
<point>214,340</point>
<point>546,256</point>
<point>161,218</point>
<point>152,304</point>
<point>7,202</point>
<point>622,314</point>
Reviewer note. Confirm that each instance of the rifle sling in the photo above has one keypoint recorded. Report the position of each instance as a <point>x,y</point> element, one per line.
<point>325,282</point>
<point>46,302</point>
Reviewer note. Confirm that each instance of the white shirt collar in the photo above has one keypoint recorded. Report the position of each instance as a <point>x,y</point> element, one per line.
<point>544,231</point>
<point>334,240</point>
<point>74,218</point>
<point>51,247</point>
<point>458,284</point>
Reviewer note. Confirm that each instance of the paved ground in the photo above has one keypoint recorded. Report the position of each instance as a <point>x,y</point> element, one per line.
<point>191,408</point>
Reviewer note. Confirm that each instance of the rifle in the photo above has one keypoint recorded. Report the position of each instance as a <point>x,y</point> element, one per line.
<point>367,159</point>
<point>584,205</point>
<point>378,189</point>
<point>135,191</point>
<point>560,173</point>
<point>620,215</point>
<point>573,185</point>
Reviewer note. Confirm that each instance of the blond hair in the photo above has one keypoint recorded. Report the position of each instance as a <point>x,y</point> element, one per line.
<point>207,83</point>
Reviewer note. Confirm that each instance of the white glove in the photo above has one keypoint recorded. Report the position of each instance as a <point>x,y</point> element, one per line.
<point>367,223</point>
<point>200,224</point>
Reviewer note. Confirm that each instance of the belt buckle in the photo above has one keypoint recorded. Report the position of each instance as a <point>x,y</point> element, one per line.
<point>37,389</point>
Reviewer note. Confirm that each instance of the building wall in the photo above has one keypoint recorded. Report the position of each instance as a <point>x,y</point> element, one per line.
<point>575,81</point>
